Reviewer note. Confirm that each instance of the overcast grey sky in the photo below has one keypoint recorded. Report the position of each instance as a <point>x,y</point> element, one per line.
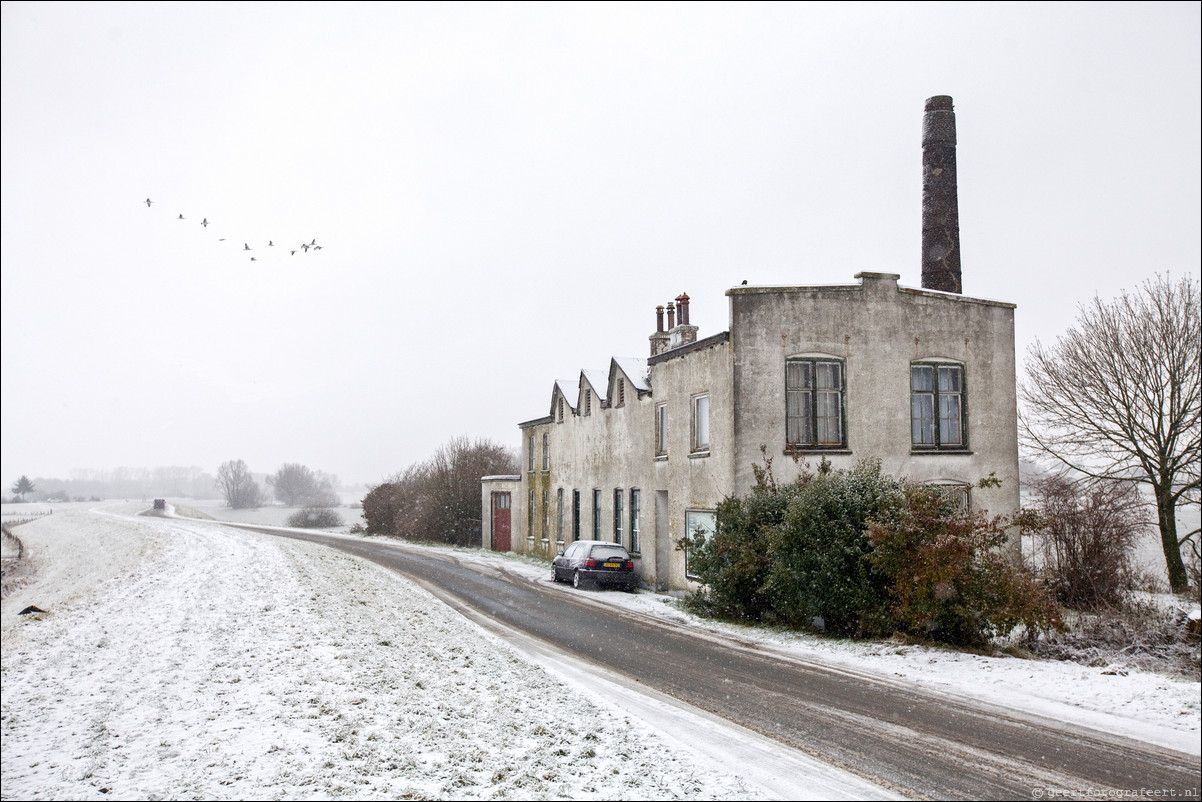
<point>504,193</point>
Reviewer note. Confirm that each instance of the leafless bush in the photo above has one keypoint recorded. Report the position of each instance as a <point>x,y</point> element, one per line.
<point>1084,536</point>
<point>1137,634</point>
<point>438,499</point>
<point>315,518</point>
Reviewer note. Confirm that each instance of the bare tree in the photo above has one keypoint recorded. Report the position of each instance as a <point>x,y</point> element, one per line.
<point>240,489</point>
<point>1118,397</point>
<point>296,485</point>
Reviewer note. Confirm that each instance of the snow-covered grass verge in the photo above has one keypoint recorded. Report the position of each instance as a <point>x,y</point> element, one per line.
<point>1111,697</point>
<point>184,659</point>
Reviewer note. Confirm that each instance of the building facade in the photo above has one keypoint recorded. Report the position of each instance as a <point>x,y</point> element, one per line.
<point>922,379</point>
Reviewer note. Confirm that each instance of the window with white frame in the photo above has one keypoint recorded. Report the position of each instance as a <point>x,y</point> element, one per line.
<point>546,451</point>
<point>937,415</point>
<point>814,403</point>
<point>531,455</point>
<point>661,429</point>
<point>635,512</point>
<point>698,522</point>
<point>546,512</point>
<point>701,423</point>
<point>618,512</point>
<point>958,495</point>
<point>596,514</point>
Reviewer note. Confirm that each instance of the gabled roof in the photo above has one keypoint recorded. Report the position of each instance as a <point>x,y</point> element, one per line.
<point>598,380</point>
<point>636,370</point>
<point>569,390</point>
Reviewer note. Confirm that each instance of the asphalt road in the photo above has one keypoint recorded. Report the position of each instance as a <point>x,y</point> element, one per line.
<point>918,743</point>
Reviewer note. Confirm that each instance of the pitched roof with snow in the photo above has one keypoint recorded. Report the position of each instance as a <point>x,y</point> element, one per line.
<point>636,369</point>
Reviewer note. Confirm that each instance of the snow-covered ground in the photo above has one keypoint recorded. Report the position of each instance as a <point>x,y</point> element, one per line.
<point>182,658</point>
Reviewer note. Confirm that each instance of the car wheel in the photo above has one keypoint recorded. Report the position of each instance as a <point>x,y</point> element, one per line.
<point>577,580</point>
<point>555,575</point>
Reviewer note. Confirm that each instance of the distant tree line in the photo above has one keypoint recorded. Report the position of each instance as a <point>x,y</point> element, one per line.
<point>165,481</point>
<point>438,500</point>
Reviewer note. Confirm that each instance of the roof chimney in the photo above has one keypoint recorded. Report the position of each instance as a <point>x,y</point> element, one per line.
<point>940,206</point>
<point>660,340</point>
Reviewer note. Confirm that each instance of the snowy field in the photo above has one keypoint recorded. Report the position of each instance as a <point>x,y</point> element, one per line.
<point>181,658</point>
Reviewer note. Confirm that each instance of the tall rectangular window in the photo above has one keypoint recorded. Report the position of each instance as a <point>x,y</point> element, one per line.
<point>531,454</point>
<point>701,423</point>
<point>559,514</point>
<point>814,403</point>
<point>575,515</point>
<point>546,451</point>
<point>937,406</point>
<point>635,505</point>
<point>596,515</point>
<point>530,514</point>
<point>661,429</point>
<point>698,523</point>
<point>546,512</point>
<point>618,512</point>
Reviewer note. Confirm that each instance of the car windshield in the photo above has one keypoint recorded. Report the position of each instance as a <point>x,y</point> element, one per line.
<point>609,553</point>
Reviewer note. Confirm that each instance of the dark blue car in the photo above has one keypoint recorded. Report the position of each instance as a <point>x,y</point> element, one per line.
<point>595,562</point>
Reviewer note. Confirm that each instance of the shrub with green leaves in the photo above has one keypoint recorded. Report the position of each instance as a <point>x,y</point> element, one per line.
<point>860,553</point>
<point>821,573</point>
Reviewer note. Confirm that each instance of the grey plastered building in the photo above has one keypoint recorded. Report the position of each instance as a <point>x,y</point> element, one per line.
<point>922,379</point>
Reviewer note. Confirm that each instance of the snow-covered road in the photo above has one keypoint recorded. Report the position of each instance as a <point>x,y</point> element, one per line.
<point>181,658</point>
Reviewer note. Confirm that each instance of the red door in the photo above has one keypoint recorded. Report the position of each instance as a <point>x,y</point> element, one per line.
<point>500,521</point>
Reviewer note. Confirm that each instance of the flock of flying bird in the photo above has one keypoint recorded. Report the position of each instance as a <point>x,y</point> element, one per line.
<point>304,247</point>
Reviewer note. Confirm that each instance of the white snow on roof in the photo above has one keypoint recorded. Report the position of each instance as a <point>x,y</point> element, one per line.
<point>570,389</point>
<point>637,371</point>
<point>598,380</point>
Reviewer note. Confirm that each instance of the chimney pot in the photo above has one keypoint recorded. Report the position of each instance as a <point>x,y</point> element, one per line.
<point>671,316</point>
<point>659,318</point>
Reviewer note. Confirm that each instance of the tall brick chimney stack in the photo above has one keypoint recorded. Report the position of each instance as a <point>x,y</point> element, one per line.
<point>940,204</point>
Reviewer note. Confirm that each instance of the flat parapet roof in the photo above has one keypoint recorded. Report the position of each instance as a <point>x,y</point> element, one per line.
<point>864,277</point>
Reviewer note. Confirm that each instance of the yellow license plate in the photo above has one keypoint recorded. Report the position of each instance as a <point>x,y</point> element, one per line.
<point>613,565</point>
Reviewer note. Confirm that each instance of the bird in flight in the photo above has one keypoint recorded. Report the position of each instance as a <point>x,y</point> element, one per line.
<point>305,247</point>
<point>148,202</point>
<point>181,217</point>
<point>205,222</point>
<point>253,259</point>
<point>293,253</point>
<point>270,243</point>
<point>246,247</point>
